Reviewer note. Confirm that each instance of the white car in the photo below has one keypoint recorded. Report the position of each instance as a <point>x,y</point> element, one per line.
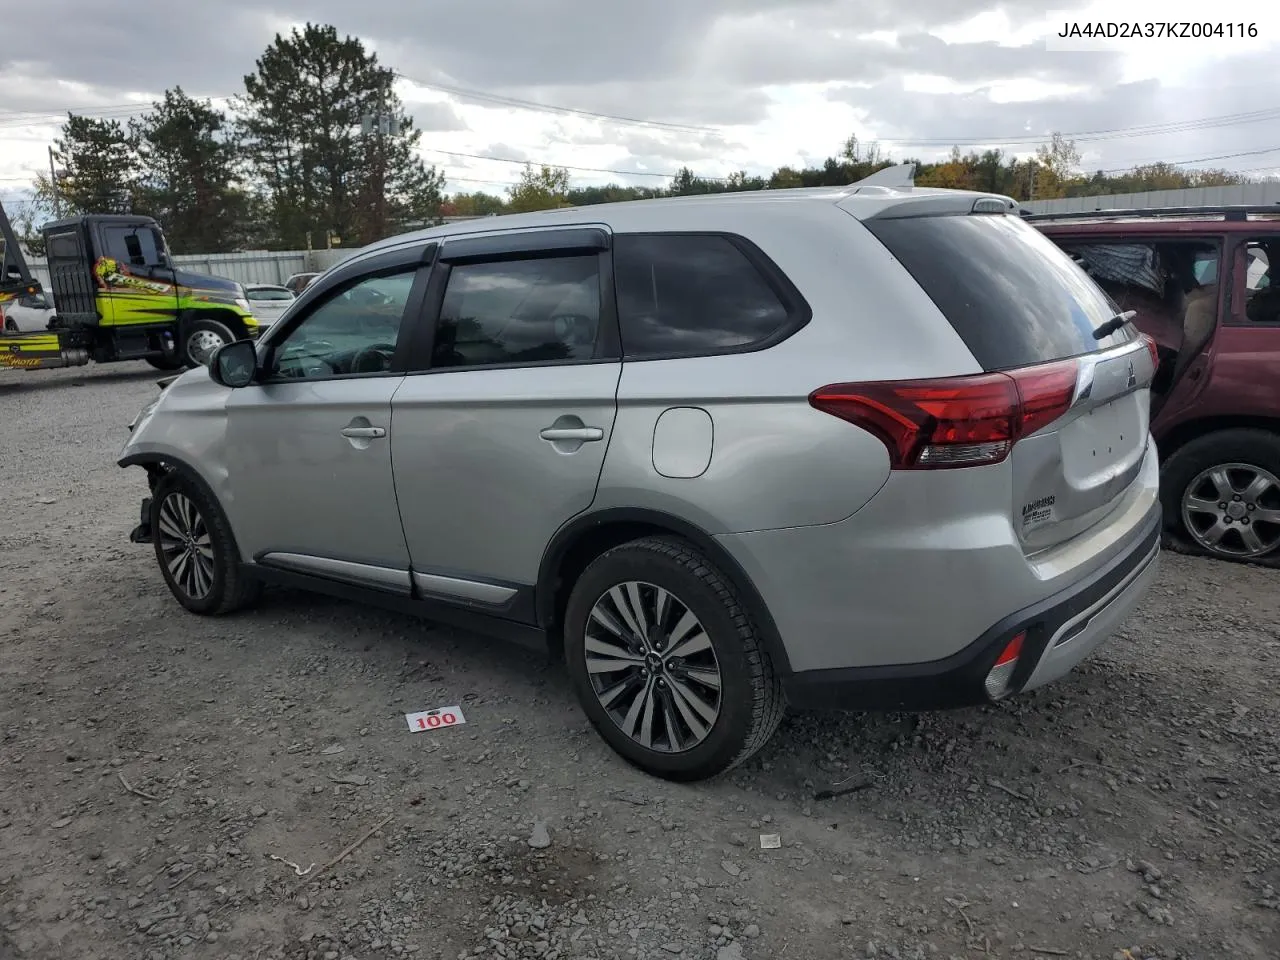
<point>268,301</point>
<point>28,314</point>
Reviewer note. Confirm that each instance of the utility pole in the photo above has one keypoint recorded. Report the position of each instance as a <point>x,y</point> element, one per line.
<point>53,184</point>
<point>381,124</point>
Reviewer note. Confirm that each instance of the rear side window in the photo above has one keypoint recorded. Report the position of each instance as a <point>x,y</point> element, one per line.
<point>695,294</point>
<point>1014,298</point>
<point>63,246</point>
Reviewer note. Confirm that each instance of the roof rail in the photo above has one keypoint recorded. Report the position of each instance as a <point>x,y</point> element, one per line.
<point>1239,211</point>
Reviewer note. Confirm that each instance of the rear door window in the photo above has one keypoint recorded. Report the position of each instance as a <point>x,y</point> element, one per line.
<point>538,310</point>
<point>1261,302</point>
<point>697,294</point>
<point>1014,297</point>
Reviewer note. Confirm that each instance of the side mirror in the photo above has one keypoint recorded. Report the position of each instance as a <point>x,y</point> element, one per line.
<point>234,364</point>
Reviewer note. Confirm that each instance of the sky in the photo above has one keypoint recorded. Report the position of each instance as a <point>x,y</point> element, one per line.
<point>644,88</point>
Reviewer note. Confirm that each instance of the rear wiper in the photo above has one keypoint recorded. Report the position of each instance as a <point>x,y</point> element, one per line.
<point>1114,324</point>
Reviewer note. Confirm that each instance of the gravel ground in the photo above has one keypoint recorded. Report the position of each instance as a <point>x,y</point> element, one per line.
<point>164,777</point>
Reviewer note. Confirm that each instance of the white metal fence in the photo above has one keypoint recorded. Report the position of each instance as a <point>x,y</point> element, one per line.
<point>255,266</point>
<point>1251,193</point>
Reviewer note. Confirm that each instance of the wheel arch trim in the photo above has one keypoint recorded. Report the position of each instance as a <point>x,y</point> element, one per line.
<point>583,525</point>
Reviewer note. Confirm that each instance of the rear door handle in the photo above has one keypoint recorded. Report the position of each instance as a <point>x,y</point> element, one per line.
<point>367,433</point>
<point>583,434</point>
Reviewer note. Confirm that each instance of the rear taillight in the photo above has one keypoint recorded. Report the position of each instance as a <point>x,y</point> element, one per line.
<point>954,421</point>
<point>1154,349</point>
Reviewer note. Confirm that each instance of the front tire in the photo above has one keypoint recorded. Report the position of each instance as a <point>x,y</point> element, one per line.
<point>1222,493</point>
<point>196,551</point>
<point>667,664</point>
<point>200,338</point>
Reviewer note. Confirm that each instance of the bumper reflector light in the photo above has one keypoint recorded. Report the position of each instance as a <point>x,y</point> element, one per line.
<point>997,684</point>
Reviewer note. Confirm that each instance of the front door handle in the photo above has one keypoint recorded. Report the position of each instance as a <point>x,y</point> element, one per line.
<point>364,433</point>
<point>582,434</point>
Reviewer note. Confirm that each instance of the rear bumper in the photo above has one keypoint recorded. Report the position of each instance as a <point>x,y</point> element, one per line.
<point>1061,631</point>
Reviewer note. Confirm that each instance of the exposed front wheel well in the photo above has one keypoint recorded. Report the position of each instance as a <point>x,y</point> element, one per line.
<point>1184,433</point>
<point>158,467</point>
<point>581,542</point>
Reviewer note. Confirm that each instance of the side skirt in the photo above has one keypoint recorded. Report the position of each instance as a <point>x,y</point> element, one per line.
<point>531,637</point>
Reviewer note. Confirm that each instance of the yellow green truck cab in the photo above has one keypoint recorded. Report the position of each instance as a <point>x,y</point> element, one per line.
<point>118,296</point>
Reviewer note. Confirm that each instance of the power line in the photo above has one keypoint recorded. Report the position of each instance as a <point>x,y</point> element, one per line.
<point>1182,163</point>
<point>1114,133</point>
<point>120,111</point>
<point>12,119</point>
<point>562,166</point>
<point>538,106</point>
<point>504,183</point>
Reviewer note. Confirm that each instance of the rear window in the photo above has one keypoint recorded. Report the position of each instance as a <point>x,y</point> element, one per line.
<point>260,293</point>
<point>1014,298</point>
<point>63,246</point>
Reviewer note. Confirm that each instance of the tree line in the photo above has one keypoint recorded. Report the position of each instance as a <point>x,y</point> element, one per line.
<point>1053,172</point>
<point>318,150</point>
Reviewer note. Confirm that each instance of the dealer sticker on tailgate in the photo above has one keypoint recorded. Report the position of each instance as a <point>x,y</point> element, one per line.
<point>1038,512</point>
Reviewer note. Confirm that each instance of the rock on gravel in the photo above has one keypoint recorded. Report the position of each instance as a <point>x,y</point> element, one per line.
<point>540,836</point>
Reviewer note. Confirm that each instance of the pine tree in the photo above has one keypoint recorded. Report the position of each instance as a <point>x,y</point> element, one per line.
<point>323,167</point>
<point>101,166</point>
<point>188,176</point>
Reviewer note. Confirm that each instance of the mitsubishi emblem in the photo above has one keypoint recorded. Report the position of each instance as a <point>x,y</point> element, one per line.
<point>1133,377</point>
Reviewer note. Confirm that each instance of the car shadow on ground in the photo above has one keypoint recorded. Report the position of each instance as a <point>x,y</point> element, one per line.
<point>30,381</point>
<point>393,637</point>
<point>1083,719</point>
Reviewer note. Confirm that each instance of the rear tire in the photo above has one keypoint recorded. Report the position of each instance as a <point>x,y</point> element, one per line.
<point>195,549</point>
<point>200,338</point>
<point>1197,503</point>
<point>698,677</point>
<point>10,325</point>
<point>166,363</point>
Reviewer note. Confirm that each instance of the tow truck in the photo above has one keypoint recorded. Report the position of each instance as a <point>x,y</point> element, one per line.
<point>117,296</point>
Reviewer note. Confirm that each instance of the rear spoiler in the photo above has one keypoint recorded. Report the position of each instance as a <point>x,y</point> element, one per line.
<point>901,176</point>
<point>896,187</point>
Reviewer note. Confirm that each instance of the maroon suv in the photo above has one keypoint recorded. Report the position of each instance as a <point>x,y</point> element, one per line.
<point>1199,281</point>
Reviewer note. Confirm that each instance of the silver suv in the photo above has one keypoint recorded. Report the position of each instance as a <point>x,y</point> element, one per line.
<point>861,448</point>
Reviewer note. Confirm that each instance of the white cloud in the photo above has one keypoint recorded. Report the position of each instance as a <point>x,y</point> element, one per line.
<point>775,81</point>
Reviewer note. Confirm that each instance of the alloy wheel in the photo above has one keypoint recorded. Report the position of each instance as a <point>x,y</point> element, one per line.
<point>186,545</point>
<point>652,667</point>
<point>1233,509</point>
